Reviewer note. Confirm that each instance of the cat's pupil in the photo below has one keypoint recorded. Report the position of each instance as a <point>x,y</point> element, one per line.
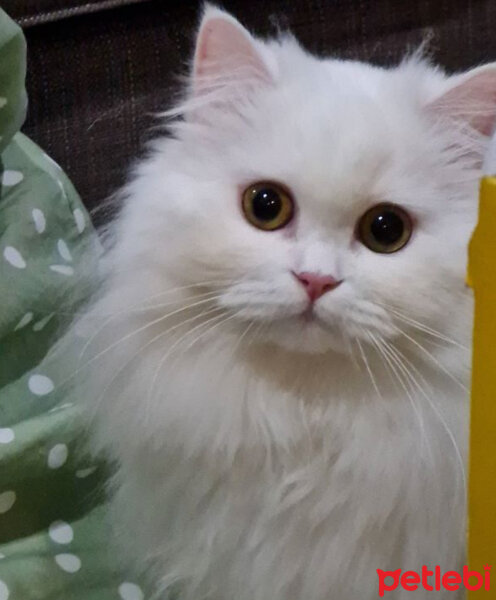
<point>387,228</point>
<point>267,204</point>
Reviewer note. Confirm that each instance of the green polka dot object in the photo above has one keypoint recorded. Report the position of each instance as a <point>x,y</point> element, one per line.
<point>54,538</point>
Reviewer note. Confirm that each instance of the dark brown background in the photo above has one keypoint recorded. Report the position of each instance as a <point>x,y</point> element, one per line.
<point>99,70</point>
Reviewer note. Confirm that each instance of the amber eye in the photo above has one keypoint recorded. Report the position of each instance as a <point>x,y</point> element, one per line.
<point>385,228</point>
<point>267,206</point>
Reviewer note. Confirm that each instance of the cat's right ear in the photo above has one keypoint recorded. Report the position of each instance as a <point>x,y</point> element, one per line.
<point>470,98</point>
<point>226,56</point>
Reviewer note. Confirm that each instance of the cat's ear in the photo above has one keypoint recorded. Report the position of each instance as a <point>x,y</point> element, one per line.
<point>226,55</point>
<point>470,98</point>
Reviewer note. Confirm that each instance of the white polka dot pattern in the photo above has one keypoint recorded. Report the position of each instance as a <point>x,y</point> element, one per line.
<point>61,532</point>
<point>70,563</point>
<point>64,250</point>
<point>57,456</point>
<point>83,473</point>
<point>39,325</point>
<point>62,269</point>
<point>11,178</point>
<point>40,385</point>
<point>39,220</point>
<point>130,591</point>
<point>6,435</point>
<point>7,501</point>
<point>26,319</point>
<point>79,219</point>
<point>14,257</point>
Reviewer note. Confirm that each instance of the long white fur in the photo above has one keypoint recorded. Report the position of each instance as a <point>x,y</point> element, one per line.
<point>259,456</point>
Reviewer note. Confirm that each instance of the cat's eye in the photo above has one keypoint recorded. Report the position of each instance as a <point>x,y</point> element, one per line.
<point>385,228</point>
<point>267,205</point>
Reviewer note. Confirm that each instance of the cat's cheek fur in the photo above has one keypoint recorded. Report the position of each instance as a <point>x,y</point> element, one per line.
<point>290,460</point>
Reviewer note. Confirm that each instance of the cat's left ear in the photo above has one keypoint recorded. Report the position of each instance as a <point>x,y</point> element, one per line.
<point>470,98</point>
<point>226,55</point>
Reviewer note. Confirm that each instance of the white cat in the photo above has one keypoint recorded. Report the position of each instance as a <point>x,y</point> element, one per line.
<point>281,378</point>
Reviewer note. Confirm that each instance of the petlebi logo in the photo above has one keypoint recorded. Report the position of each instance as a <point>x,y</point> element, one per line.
<point>434,580</point>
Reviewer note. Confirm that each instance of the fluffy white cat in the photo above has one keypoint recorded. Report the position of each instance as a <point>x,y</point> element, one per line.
<point>281,378</point>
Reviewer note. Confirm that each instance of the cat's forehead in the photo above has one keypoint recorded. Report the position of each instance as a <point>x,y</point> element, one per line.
<point>339,135</point>
<point>334,136</point>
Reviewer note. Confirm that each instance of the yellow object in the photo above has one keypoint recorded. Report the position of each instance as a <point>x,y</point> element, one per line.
<point>482,461</point>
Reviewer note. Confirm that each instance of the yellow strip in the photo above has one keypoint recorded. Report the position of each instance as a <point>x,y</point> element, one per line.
<point>482,461</point>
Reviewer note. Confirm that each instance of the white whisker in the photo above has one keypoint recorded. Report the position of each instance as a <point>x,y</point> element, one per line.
<point>431,357</point>
<point>150,324</point>
<point>243,336</point>
<point>128,336</point>
<point>421,326</point>
<point>207,296</point>
<point>137,307</point>
<point>367,366</point>
<point>175,344</point>
<point>438,414</point>
<point>149,343</point>
<point>399,369</point>
<point>191,344</point>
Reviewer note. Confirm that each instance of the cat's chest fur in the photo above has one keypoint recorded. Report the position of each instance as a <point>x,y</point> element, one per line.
<point>287,500</point>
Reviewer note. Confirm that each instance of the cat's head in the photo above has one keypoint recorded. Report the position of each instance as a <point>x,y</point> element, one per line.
<point>320,201</point>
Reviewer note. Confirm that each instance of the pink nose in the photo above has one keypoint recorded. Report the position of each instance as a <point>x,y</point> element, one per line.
<point>316,285</point>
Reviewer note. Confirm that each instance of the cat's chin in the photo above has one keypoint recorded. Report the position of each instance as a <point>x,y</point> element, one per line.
<point>308,335</point>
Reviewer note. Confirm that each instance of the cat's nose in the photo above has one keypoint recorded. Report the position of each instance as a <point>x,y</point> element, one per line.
<point>315,284</point>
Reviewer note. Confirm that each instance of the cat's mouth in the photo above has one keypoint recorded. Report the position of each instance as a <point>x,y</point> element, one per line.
<point>310,318</point>
<point>308,315</point>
